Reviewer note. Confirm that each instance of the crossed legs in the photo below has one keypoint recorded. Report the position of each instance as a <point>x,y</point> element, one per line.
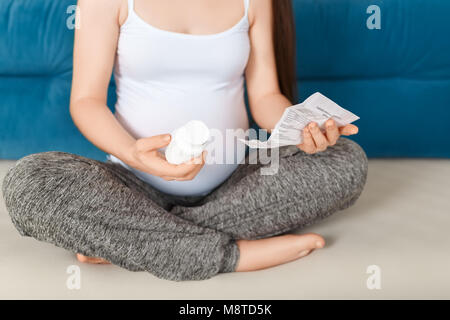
<point>101,210</point>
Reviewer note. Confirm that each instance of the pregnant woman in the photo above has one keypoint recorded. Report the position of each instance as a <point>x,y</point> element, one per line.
<point>176,61</point>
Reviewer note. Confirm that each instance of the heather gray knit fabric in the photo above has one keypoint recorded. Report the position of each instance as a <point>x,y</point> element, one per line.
<point>102,210</point>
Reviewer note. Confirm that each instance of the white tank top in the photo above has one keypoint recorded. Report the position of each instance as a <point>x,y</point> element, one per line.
<point>165,79</point>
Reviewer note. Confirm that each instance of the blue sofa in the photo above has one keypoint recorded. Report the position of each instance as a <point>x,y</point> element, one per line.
<point>394,72</point>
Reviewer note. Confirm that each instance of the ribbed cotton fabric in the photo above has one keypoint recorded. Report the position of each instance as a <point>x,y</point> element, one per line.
<point>165,79</point>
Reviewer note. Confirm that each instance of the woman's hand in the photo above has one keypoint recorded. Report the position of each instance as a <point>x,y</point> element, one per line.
<point>144,156</point>
<point>314,140</point>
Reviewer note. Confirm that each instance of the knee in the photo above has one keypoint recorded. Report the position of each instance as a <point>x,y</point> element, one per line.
<point>22,186</point>
<point>344,166</point>
<point>25,173</point>
<point>13,186</point>
<point>356,161</point>
<point>353,167</point>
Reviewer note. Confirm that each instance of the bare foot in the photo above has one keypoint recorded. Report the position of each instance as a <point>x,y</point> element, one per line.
<point>91,260</point>
<point>271,252</point>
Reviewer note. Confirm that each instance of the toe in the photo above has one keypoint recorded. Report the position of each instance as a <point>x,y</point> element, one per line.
<point>81,258</point>
<point>320,243</point>
<point>91,260</point>
<point>314,241</point>
<point>309,242</point>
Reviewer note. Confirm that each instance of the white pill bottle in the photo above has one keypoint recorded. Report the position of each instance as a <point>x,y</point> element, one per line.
<point>187,142</point>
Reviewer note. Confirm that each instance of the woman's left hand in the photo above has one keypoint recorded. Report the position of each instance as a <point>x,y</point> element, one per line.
<point>314,140</point>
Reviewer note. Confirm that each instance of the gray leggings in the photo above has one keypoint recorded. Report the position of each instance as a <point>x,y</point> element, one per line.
<point>103,210</point>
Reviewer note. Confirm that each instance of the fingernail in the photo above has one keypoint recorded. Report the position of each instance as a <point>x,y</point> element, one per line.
<point>167,137</point>
<point>319,244</point>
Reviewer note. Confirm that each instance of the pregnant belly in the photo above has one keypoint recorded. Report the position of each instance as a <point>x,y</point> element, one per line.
<point>226,116</point>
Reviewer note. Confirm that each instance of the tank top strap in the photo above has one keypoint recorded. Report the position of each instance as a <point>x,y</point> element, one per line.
<point>130,7</point>
<point>247,6</point>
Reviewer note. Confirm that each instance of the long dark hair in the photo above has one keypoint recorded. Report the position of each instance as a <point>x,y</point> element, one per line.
<point>285,47</point>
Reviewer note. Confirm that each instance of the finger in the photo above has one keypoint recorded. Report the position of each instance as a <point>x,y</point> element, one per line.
<point>349,130</point>
<point>332,132</point>
<point>319,138</point>
<point>308,144</point>
<point>194,173</point>
<point>173,178</point>
<point>153,143</point>
<point>188,177</point>
<point>183,170</point>
<point>199,160</point>
<point>173,171</point>
<point>160,155</point>
<point>165,169</point>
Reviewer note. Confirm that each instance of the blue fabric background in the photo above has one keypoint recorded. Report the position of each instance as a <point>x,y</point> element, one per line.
<point>396,79</point>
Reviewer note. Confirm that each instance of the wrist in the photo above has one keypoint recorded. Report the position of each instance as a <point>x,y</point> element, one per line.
<point>127,154</point>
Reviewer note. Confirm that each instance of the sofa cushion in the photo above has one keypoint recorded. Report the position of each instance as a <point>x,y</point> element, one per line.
<point>397,78</point>
<point>36,46</point>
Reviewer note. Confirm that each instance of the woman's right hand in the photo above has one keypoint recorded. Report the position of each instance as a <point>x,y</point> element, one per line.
<point>144,156</point>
